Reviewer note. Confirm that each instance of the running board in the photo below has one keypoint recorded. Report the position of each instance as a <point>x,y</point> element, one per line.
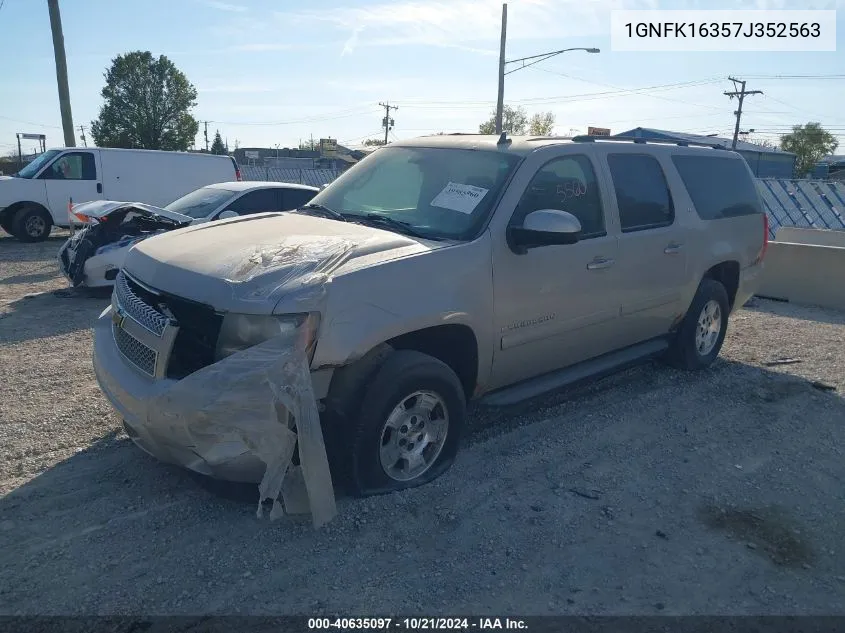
<point>594,368</point>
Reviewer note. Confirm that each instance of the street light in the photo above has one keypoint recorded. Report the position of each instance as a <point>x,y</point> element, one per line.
<point>544,56</point>
<point>536,60</point>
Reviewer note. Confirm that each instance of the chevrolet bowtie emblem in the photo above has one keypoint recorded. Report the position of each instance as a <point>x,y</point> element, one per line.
<point>118,317</point>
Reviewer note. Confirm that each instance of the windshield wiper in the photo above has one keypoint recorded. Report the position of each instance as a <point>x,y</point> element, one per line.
<point>383,221</point>
<point>324,211</point>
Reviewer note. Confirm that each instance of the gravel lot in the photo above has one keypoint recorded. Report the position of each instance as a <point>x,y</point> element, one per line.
<point>653,491</point>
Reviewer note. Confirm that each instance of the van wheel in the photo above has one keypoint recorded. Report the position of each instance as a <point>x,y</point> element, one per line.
<point>32,224</point>
<point>702,332</point>
<point>409,425</point>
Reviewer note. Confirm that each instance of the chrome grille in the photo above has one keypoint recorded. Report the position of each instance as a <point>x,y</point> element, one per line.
<point>133,350</point>
<point>135,307</point>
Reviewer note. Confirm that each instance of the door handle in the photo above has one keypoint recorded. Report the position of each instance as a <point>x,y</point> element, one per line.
<point>99,187</point>
<point>673,248</point>
<point>600,262</point>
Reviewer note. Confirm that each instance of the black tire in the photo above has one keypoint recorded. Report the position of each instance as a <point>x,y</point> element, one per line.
<point>401,375</point>
<point>6,223</point>
<point>684,352</point>
<point>32,224</point>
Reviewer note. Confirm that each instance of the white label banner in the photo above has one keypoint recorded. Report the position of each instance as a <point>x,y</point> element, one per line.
<point>720,30</point>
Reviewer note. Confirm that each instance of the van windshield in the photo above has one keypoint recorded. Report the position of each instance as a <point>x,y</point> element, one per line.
<point>438,192</point>
<point>200,203</point>
<point>30,170</point>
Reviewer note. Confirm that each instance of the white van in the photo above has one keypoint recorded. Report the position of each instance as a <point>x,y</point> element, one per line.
<point>37,197</point>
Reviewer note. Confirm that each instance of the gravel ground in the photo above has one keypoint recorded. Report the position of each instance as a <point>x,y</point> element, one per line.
<point>653,491</point>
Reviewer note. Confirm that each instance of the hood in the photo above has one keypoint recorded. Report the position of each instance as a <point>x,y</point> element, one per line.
<point>99,209</point>
<point>6,177</point>
<point>248,264</point>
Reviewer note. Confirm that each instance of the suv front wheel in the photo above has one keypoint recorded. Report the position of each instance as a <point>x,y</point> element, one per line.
<point>702,332</point>
<point>409,425</point>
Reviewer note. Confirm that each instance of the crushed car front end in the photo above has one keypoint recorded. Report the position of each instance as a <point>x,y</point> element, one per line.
<point>94,254</point>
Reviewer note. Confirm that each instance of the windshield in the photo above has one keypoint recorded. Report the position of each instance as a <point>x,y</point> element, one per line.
<point>200,203</point>
<point>30,170</point>
<point>445,193</point>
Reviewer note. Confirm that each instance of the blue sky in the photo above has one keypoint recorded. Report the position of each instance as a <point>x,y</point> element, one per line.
<point>274,72</point>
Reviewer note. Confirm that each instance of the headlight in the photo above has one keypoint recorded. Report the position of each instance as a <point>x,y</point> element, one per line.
<point>240,331</point>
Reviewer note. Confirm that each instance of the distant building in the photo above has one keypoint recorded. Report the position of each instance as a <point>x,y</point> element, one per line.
<point>294,158</point>
<point>765,162</point>
<point>832,167</point>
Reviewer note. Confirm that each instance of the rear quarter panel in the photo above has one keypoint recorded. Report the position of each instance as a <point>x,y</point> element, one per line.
<point>712,242</point>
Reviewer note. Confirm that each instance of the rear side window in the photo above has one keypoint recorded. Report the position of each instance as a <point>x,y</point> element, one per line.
<point>259,201</point>
<point>295,198</point>
<point>718,187</point>
<point>642,193</point>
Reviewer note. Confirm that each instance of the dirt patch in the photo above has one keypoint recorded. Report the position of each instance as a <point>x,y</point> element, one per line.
<point>768,531</point>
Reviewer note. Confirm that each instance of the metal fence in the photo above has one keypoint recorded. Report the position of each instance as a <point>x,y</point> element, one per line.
<point>313,177</point>
<point>816,204</point>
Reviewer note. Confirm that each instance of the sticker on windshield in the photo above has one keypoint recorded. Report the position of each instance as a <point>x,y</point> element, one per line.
<point>458,197</point>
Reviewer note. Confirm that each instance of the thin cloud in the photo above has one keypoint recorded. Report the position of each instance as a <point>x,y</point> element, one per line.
<point>262,46</point>
<point>351,44</point>
<point>239,88</point>
<point>224,6</point>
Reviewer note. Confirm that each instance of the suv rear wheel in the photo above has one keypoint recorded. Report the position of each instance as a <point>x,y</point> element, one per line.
<point>409,425</point>
<point>702,332</point>
<point>32,224</point>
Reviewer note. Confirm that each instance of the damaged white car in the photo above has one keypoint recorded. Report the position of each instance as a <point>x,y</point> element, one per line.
<point>93,255</point>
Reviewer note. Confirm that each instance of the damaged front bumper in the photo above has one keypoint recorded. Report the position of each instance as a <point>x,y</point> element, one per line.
<point>239,419</point>
<point>132,394</point>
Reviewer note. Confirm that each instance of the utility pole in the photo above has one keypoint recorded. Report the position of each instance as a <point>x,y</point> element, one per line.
<point>206,135</point>
<point>61,72</point>
<point>82,133</point>
<point>387,122</point>
<point>740,94</point>
<point>500,102</point>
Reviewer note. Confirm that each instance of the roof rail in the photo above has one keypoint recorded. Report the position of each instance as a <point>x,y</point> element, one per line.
<point>585,138</point>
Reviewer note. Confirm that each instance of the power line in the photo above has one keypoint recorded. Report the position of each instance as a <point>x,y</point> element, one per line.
<point>686,84</point>
<point>588,96</point>
<point>795,76</point>
<point>337,115</point>
<point>55,127</point>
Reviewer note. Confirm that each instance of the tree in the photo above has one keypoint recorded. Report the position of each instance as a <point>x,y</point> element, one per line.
<point>217,146</point>
<point>541,124</point>
<point>762,142</point>
<point>810,143</point>
<point>373,142</point>
<point>147,105</point>
<point>514,121</point>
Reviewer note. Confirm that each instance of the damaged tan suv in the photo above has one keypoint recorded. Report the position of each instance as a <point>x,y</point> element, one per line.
<point>435,271</point>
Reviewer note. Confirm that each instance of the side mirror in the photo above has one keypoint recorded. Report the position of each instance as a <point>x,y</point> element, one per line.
<point>228,213</point>
<point>544,227</point>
